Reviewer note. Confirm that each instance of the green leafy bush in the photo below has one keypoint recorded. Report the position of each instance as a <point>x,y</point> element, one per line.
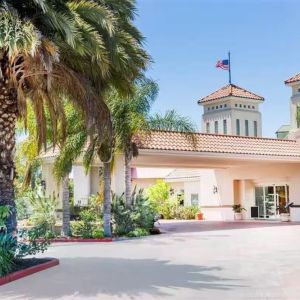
<point>128,219</point>
<point>89,225</point>
<point>158,194</point>
<point>138,232</point>
<point>98,233</point>
<point>43,210</point>
<point>27,242</point>
<point>7,253</point>
<point>4,214</point>
<point>185,212</point>
<point>23,208</point>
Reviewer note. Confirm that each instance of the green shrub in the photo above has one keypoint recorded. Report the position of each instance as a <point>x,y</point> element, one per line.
<point>7,253</point>
<point>186,212</point>
<point>158,194</point>
<point>43,210</point>
<point>23,208</point>
<point>27,242</point>
<point>4,214</point>
<point>98,233</point>
<point>88,226</point>
<point>127,219</point>
<point>138,232</point>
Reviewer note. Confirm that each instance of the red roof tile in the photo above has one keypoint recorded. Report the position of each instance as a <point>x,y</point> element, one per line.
<point>168,140</point>
<point>292,79</point>
<point>230,90</point>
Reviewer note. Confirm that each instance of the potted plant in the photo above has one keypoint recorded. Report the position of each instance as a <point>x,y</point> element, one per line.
<point>237,208</point>
<point>199,215</point>
<point>284,213</point>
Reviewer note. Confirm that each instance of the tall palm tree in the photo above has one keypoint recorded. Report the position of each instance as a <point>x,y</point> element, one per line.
<point>50,48</point>
<point>171,121</point>
<point>129,116</point>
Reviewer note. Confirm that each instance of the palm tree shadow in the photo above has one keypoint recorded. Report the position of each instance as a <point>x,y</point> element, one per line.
<point>87,277</point>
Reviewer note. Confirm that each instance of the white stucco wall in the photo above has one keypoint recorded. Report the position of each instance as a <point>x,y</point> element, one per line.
<point>53,187</point>
<point>82,185</point>
<point>231,113</point>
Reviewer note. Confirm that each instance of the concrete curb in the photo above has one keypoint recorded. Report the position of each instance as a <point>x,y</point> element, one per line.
<point>81,240</point>
<point>29,271</point>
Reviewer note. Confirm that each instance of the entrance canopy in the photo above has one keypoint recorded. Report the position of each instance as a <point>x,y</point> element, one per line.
<point>173,149</point>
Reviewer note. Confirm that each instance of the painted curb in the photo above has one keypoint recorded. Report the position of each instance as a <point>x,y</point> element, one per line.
<point>78,240</point>
<point>29,271</point>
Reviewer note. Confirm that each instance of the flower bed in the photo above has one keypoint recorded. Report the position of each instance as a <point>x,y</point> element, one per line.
<point>28,266</point>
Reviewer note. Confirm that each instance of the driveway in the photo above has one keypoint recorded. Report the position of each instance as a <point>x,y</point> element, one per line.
<point>219,261</point>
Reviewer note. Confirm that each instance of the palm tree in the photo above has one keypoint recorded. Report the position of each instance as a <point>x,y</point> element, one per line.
<point>171,121</point>
<point>50,48</point>
<point>129,116</point>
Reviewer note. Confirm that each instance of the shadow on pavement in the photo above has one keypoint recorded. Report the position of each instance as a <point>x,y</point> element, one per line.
<point>88,277</point>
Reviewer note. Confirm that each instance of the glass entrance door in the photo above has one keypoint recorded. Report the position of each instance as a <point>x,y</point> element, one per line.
<point>271,200</point>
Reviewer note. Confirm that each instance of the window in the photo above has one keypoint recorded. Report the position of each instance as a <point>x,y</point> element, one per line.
<point>245,106</point>
<point>195,199</point>
<point>249,106</point>
<point>238,128</point>
<point>255,128</point>
<point>225,126</point>
<point>208,108</point>
<point>221,106</point>
<point>241,105</point>
<point>246,127</point>
<point>225,105</point>
<point>216,127</point>
<point>236,105</point>
<point>213,108</point>
<point>253,107</point>
<point>207,127</point>
<point>217,107</point>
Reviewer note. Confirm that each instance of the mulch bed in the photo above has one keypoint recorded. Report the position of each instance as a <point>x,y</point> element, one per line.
<point>27,266</point>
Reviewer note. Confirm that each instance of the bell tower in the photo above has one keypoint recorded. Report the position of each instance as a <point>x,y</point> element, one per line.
<point>232,110</point>
<point>294,83</point>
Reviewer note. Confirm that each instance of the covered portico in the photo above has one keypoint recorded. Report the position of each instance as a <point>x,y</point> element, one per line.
<point>241,168</point>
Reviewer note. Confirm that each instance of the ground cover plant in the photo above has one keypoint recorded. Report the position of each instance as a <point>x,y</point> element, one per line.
<point>14,247</point>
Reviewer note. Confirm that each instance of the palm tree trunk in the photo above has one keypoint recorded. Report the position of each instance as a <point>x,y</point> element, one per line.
<point>127,181</point>
<point>66,207</point>
<point>8,115</point>
<point>107,200</point>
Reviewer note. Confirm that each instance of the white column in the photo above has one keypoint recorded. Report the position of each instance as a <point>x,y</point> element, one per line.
<point>53,187</point>
<point>82,185</point>
<point>118,175</point>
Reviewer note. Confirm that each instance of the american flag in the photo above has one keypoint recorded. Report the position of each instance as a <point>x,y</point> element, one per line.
<point>223,64</point>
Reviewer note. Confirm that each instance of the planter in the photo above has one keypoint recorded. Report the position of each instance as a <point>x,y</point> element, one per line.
<point>284,217</point>
<point>29,271</point>
<point>238,216</point>
<point>199,215</point>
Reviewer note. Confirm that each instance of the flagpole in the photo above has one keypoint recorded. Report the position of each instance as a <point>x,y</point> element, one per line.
<point>229,69</point>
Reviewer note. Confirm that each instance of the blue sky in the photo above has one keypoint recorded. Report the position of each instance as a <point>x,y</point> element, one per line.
<point>186,37</point>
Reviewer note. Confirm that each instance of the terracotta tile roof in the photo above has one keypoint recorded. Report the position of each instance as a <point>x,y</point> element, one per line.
<point>168,140</point>
<point>230,90</point>
<point>292,79</point>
